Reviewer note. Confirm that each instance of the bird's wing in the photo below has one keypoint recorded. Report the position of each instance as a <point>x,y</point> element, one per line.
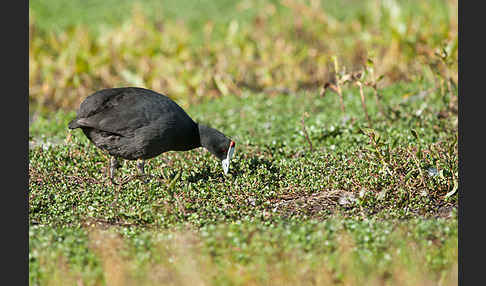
<point>122,111</point>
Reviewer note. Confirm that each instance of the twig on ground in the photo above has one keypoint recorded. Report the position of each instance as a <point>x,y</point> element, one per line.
<point>363,103</point>
<point>306,135</point>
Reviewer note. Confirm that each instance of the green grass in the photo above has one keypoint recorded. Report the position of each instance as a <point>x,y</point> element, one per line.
<point>101,16</point>
<point>337,251</point>
<point>301,204</point>
<point>370,203</point>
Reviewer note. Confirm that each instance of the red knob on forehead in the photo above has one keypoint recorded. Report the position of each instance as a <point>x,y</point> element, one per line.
<point>232,144</point>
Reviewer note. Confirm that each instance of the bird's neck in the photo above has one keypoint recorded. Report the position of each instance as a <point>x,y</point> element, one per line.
<point>204,135</point>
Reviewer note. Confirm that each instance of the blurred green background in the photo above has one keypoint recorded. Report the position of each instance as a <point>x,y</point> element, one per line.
<point>203,49</point>
<point>373,202</point>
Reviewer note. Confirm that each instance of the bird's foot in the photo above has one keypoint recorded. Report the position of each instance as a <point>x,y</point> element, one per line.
<point>144,177</point>
<point>112,180</point>
<point>114,164</point>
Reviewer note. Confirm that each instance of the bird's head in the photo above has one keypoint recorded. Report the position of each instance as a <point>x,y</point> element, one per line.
<point>218,144</point>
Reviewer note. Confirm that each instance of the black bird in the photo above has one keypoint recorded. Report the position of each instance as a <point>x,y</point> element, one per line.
<point>138,124</point>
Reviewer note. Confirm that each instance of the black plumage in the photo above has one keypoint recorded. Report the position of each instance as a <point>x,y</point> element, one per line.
<point>136,123</point>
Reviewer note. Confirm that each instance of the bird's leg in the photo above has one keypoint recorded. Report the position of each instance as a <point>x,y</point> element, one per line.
<point>114,164</point>
<point>140,166</point>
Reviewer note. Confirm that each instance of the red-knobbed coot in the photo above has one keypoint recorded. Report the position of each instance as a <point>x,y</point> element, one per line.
<point>138,124</point>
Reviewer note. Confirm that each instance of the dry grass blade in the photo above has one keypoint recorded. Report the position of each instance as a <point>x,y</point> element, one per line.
<point>311,149</point>
<point>363,103</point>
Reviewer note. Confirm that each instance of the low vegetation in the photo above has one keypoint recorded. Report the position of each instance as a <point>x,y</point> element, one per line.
<point>283,46</point>
<point>346,163</point>
<point>392,179</point>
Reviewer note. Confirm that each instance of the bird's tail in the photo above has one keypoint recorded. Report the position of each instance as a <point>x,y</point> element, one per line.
<point>74,124</point>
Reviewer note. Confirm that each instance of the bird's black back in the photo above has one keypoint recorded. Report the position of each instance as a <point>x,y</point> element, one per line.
<point>135,122</point>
